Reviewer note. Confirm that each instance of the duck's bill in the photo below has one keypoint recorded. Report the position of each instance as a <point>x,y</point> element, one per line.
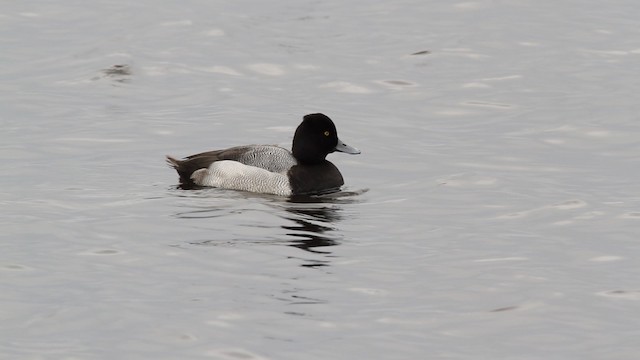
<point>342,147</point>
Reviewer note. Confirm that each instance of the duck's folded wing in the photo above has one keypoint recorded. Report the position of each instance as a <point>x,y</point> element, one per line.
<point>268,157</point>
<point>190,164</point>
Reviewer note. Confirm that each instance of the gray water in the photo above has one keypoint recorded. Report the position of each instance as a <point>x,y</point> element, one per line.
<point>494,211</point>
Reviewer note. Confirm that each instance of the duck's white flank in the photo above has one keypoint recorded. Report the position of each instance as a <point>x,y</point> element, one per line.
<point>229,174</point>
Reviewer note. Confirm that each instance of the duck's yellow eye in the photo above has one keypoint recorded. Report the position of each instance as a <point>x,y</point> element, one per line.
<point>326,133</point>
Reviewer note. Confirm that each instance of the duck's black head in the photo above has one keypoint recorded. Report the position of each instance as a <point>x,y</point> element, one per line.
<point>315,138</point>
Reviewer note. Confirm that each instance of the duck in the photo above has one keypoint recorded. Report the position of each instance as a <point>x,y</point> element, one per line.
<point>271,169</point>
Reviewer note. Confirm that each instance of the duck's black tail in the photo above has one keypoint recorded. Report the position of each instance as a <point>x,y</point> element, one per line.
<point>174,163</point>
<point>180,166</point>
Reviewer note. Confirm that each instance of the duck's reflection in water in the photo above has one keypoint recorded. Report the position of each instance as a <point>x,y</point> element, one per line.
<point>310,223</point>
<point>309,236</point>
<point>314,229</point>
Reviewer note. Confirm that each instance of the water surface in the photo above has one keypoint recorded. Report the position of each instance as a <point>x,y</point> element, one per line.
<point>492,214</point>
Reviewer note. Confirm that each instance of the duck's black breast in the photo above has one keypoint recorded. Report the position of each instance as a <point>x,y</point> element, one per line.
<point>314,178</point>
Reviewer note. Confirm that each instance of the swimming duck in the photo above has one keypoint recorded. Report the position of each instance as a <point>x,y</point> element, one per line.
<point>271,169</point>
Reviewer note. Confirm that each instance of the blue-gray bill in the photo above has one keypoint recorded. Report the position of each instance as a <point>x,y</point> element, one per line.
<point>342,147</point>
